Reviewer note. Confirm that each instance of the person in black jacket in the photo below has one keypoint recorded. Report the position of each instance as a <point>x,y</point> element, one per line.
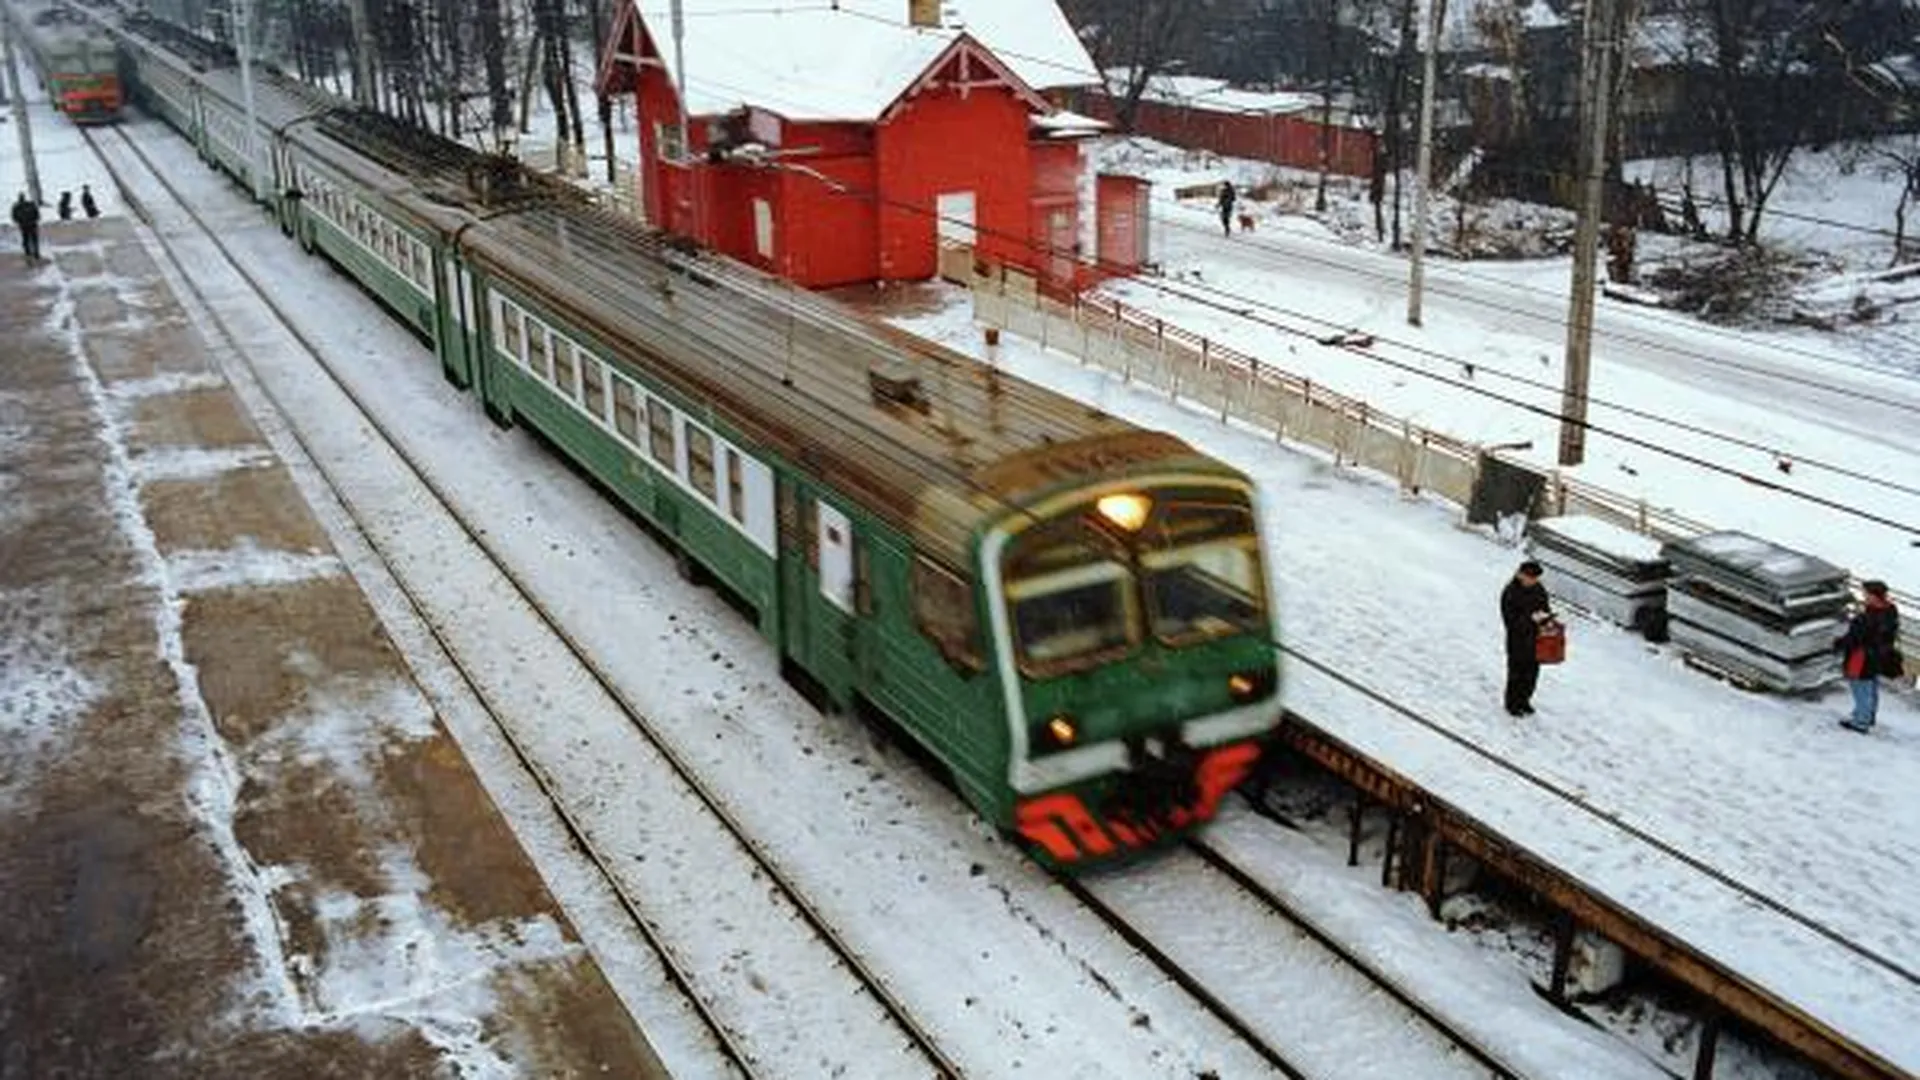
<point>1225,202</point>
<point>1523,607</point>
<point>26,217</point>
<point>1868,651</point>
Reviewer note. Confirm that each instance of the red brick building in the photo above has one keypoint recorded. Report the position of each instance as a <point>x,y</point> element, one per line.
<point>843,144</point>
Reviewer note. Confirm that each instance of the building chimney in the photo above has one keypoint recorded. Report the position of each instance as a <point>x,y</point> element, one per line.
<point>923,13</point>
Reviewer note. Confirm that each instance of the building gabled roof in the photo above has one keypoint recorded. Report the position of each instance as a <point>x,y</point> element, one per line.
<point>848,60</point>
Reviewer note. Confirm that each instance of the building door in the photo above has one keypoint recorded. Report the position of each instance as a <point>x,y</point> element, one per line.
<point>955,224</point>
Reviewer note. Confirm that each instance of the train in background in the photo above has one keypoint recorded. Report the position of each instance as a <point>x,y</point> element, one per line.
<point>1072,616</point>
<point>74,59</point>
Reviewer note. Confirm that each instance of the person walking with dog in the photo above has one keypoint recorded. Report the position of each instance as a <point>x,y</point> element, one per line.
<point>1227,198</point>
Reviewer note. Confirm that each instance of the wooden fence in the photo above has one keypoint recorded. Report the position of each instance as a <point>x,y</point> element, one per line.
<point>1139,347</point>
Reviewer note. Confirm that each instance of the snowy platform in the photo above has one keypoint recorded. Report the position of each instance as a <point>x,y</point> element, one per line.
<point>235,828</point>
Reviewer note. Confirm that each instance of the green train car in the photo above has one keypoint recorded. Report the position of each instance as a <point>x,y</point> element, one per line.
<point>1070,614</point>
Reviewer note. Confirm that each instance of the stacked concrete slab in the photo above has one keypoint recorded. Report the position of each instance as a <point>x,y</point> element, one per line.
<point>1762,614</point>
<point>1599,567</point>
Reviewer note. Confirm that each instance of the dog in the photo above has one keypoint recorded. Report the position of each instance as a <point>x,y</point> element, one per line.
<point>1246,222</point>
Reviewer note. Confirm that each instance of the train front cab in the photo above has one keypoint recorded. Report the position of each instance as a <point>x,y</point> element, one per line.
<point>1133,627</point>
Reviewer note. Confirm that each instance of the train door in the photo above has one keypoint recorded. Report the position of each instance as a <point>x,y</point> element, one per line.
<point>454,306</point>
<point>796,552</point>
<point>838,601</point>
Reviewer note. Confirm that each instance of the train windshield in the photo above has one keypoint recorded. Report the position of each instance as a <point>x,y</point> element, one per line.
<point>1086,589</point>
<point>1071,596</point>
<point>1200,566</point>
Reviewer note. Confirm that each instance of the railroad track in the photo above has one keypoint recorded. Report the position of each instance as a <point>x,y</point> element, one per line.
<point>924,1053</point>
<point>1337,977</point>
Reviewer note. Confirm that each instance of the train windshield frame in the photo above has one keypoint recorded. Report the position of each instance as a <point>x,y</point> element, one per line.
<point>1083,590</point>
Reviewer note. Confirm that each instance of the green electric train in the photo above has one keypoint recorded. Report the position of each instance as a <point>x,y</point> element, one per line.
<point>1072,615</point>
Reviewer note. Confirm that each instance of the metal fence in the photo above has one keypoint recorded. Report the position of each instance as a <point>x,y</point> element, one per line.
<point>1142,348</point>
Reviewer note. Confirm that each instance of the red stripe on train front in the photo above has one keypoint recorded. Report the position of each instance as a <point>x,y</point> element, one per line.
<point>1060,824</point>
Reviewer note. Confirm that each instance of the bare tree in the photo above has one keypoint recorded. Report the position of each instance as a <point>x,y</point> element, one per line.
<point>1776,82</point>
<point>1145,38</point>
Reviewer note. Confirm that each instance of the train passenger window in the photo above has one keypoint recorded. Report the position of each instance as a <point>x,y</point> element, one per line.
<point>537,350</point>
<point>660,431</point>
<point>943,609</point>
<point>626,412</point>
<point>563,371</point>
<point>593,384</point>
<point>700,462</point>
<point>510,326</point>
<point>736,491</point>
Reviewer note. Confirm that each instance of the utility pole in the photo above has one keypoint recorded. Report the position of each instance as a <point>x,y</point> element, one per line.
<point>243,35</point>
<point>19,107</point>
<point>1595,101</point>
<point>680,74</point>
<point>1422,181</point>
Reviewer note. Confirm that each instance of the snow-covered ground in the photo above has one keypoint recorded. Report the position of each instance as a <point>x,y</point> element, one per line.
<point>1694,418</point>
<point>1393,590</point>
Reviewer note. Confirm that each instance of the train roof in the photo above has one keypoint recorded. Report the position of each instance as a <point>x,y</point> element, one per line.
<point>917,433</point>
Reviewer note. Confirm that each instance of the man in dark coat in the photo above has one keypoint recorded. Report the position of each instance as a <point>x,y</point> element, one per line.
<point>86,201</point>
<point>1868,651</point>
<point>1523,607</point>
<point>66,206</point>
<point>1227,196</point>
<point>26,217</point>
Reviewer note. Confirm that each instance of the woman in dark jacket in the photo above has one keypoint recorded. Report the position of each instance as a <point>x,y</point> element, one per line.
<point>1523,607</point>
<point>1867,652</point>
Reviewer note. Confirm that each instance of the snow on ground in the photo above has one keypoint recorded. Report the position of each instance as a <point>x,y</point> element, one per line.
<point>1402,598</point>
<point>1766,788</point>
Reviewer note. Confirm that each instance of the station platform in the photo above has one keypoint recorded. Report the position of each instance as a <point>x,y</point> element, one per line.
<point>237,840</point>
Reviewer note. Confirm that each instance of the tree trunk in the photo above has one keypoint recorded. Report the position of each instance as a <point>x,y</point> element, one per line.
<point>493,47</point>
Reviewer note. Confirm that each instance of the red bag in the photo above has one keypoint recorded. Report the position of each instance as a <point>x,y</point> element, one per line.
<point>1550,644</point>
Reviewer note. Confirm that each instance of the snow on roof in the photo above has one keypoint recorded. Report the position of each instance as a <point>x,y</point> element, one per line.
<point>1204,92</point>
<point>849,61</point>
<point>1063,123</point>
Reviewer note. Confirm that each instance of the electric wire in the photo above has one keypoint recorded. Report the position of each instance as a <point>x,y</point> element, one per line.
<point>1641,443</point>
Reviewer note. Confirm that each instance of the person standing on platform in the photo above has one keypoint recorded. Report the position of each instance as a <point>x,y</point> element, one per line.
<point>86,201</point>
<point>26,217</point>
<point>1227,197</point>
<point>66,206</point>
<point>1523,608</point>
<point>1868,651</point>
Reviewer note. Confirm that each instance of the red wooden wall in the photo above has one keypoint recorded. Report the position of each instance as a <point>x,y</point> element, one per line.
<point>1290,139</point>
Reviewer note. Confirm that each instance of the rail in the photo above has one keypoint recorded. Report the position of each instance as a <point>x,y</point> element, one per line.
<point>1140,347</point>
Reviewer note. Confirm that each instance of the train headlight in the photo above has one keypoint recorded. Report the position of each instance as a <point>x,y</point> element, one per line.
<point>1245,686</point>
<point>1061,730</point>
<point>1050,736</point>
<point>1127,510</point>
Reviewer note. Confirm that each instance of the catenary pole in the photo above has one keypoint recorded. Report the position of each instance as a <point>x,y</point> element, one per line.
<point>19,108</point>
<point>1595,98</point>
<point>680,74</point>
<point>1422,180</point>
<point>243,34</point>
